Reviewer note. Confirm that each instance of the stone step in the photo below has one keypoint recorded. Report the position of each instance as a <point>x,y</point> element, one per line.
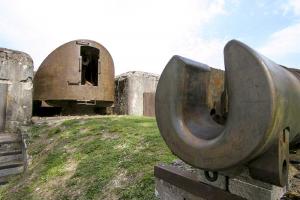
<point>8,138</point>
<point>11,164</point>
<point>9,158</point>
<point>4,180</point>
<point>4,173</point>
<point>10,147</point>
<point>10,152</point>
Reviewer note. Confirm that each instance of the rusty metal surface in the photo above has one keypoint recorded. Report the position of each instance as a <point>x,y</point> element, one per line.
<point>149,104</point>
<point>80,70</point>
<point>272,166</point>
<point>261,101</point>
<point>189,183</point>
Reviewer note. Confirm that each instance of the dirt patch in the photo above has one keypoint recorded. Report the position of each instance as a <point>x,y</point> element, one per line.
<point>49,188</point>
<point>117,182</point>
<point>121,146</point>
<point>89,138</point>
<point>60,119</point>
<point>107,135</point>
<point>140,148</point>
<point>83,130</point>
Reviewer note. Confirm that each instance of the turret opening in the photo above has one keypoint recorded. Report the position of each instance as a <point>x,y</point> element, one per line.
<point>89,65</point>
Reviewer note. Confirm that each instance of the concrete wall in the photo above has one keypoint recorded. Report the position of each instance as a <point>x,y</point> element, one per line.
<point>130,88</point>
<point>16,74</point>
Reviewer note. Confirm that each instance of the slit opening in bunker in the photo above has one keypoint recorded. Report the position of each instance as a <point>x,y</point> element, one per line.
<point>89,65</point>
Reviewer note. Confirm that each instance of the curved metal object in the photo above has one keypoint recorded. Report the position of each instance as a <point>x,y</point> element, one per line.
<point>80,70</point>
<point>263,101</point>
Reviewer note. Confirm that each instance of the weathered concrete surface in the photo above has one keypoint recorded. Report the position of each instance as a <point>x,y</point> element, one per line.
<point>16,73</point>
<point>129,91</point>
<point>167,191</point>
<point>3,92</point>
<point>251,189</point>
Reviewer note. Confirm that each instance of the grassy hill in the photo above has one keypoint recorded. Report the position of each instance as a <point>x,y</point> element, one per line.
<point>98,158</point>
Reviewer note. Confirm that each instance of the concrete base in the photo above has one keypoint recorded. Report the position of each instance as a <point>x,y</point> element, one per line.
<point>251,189</point>
<point>167,191</point>
<point>241,187</point>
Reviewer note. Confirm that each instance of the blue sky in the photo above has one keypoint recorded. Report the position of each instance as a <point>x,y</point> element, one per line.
<point>254,21</point>
<point>143,35</point>
<point>260,24</point>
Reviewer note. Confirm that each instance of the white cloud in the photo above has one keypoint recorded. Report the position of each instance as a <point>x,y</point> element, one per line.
<point>291,5</point>
<point>209,52</point>
<point>140,35</point>
<point>283,43</point>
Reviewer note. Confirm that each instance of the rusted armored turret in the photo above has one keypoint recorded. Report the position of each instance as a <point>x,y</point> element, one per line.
<point>78,73</point>
<point>251,121</point>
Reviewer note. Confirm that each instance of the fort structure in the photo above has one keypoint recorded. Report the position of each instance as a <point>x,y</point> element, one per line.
<point>135,93</point>
<point>16,73</point>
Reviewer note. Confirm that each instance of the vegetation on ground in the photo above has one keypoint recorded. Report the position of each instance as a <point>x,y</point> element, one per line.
<point>110,157</point>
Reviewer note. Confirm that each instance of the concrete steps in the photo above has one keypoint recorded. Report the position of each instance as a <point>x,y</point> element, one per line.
<point>8,138</point>
<point>11,156</point>
<point>10,152</point>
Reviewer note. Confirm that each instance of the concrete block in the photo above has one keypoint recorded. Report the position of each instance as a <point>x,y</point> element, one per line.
<point>252,189</point>
<point>253,192</point>
<point>166,191</point>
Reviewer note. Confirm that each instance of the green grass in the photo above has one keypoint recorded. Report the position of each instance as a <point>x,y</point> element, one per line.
<point>101,158</point>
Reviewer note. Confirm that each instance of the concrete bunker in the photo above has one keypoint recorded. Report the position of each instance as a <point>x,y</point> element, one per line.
<point>16,73</point>
<point>134,93</point>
